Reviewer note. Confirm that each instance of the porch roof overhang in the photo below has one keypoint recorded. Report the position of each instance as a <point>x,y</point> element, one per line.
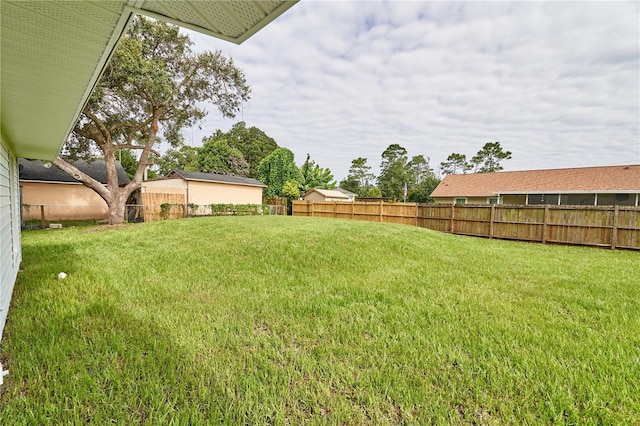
<point>595,191</point>
<point>54,52</point>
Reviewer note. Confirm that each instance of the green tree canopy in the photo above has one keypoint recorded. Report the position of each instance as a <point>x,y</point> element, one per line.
<point>128,161</point>
<point>359,180</point>
<point>489,158</point>
<point>253,143</point>
<point>184,158</point>
<point>393,172</point>
<point>418,170</point>
<point>314,176</point>
<point>422,180</point>
<point>276,169</point>
<point>370,191</point>
<point>216,156</point>
<point>153,86</point>
<point>456,163</point>
<point>290,190</point>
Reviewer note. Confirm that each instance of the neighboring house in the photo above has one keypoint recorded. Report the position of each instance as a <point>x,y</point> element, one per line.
<point>352,196</point>
<point>53,53</point>
<point>606,185</point>
<point>326,195</point>
<point>44,184</point>
<point>204,189</point>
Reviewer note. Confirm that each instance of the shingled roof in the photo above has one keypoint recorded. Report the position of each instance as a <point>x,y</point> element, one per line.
<point>212,177</point>
<point>44,171</point>
<point>618,179</point>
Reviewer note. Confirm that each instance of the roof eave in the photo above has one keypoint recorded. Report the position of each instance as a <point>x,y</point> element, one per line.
<point>573,191</point>
<point>225,182</point>
<point>237,40</point>
<point>47,145</point>
<point>189,179</point>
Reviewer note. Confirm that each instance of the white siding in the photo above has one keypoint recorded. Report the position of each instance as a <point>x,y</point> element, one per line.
<point>10,252</point>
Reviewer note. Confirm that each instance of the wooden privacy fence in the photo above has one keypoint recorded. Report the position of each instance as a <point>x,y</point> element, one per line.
<point>158,206</point>
<point>602,226</point>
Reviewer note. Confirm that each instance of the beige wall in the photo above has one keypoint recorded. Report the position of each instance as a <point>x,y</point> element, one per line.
<point>62,201</point>
<point>205,193</point>
<point>316,196</point>
<point>165,186</point>
<point>442,200</point>
<point>504,199</point>
<point>470,200</point>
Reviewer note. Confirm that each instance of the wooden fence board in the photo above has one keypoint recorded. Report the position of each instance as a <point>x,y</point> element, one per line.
<point>151,206</point>
<point>617,227</point>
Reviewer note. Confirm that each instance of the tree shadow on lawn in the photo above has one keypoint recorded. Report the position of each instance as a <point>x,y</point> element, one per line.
<point>77,354</point>
<point>99,363</point>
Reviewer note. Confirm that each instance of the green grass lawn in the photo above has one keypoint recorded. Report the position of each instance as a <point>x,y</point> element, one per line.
<point>281,320</point>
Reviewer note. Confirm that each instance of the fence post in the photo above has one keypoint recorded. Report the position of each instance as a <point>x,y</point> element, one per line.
<point>335,209</point>
<point>614,231</point>
<point>545,224</point>
<point>417,210</point>
<point>42,216</point>
<point>381,210</point>
<point>353,207</point>
<point>453,206</point>
<point>493,211</point>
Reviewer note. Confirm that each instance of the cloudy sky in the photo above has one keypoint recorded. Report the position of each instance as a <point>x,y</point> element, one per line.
<point>556,83</point>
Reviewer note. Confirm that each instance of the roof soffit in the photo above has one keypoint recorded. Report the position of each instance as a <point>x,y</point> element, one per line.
<point>54,52</point>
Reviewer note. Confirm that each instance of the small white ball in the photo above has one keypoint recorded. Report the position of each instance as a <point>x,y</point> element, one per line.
<point>62,276</point>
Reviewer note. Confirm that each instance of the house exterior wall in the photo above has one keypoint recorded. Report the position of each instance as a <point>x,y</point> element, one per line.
<point>470,200</point>
<point>205,193</point>
<point>62,201</point>
<point>10,243</point>
<point>316,196</point>
<point>572,199</point>
<point>165,186</point>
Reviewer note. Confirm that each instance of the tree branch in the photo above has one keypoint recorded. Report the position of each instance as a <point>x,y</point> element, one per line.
<point>83,178</point>
<point>131,146</point>
<point>132,134</point>
<point>103,129</point>
<point>84,133</point>
<point>187,80</point>
<point>144,156</point>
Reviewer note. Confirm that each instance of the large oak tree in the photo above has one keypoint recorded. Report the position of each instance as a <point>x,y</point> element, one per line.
<point>153,86</point>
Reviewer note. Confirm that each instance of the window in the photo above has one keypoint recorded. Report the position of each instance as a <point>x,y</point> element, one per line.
<point>578,199</point>
<point>537,199</point>
<point>619,199</point>
<point>492,200</point>
<point>460,201</point>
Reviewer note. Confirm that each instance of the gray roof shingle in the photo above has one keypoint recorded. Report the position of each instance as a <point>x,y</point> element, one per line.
<point>35,170</point>
<point>211,177</point>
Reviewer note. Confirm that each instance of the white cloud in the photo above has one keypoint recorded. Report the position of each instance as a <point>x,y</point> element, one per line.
<point>557,83</point>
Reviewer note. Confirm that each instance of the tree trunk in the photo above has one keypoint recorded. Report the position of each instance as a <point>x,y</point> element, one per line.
<point>117,209</point>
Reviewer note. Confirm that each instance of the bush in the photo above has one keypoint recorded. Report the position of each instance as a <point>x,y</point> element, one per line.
<point>236,209</point>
